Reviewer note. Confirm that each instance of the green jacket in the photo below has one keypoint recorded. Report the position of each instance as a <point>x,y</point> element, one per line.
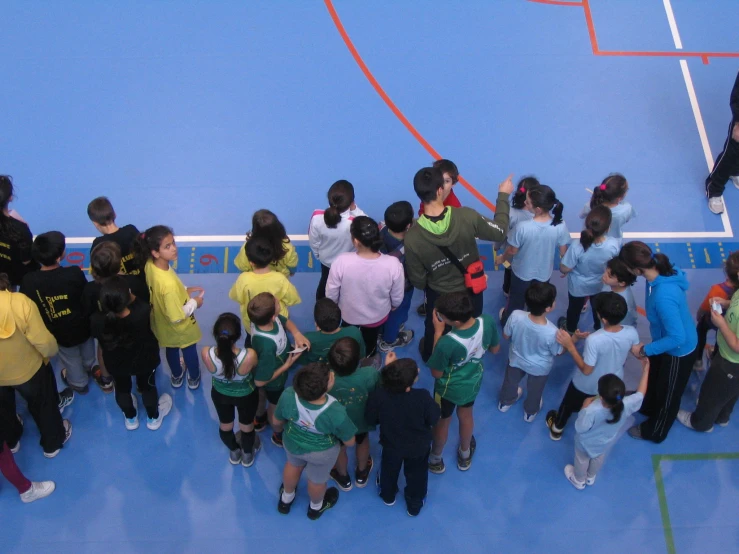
<point>426,265</point>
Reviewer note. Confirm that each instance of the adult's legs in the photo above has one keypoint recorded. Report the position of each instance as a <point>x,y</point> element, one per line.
<point>702,327</point>
<point>717,395</point>
<point>727,164</point>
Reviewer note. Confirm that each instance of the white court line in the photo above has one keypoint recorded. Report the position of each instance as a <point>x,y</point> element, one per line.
<point>673,24</point>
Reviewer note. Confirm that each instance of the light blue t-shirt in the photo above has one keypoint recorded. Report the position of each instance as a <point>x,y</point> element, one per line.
<point>586,277</point>
<point>607,353</point>
<point>593,432</point>
<point>533,346</point>
<point>516,217</point>
<point>622,214</point>
<point>632,316</point>
<point>537,243</point>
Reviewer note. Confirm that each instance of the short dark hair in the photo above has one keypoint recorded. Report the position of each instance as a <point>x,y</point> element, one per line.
<point>620,271</point>
<point>398,216</point>
<point>4,281</point>
<point>427,183</point>
<point>455,306</point>
<point>399,375</point>
<point>327,314</point>
<point>311,381</point>
<point>610,306</point>
<point>540,296</point>
<point>101,211</point>
<point>259,252</point>
<point>447,166</point>
<point>48,247</point>
<point>105,260</point>
<point>261,308</point>
<point>343,357</point>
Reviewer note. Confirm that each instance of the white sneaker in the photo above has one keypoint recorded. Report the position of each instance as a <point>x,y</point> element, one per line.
<point>165,405</point>
<point>716,205</point>
<point>133,423</point>
<point>38,490</point>
<point>528,418</point>
<point>683,416</point>
<point>570,474</point>
<point>503,408</point>
<point>67,434</point>
<point>590,481</point>
<point>735,180</point>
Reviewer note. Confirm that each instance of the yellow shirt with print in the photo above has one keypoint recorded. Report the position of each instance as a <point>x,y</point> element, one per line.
<point>249,284</point>
<point>286,265</point>
<point>171,327</point>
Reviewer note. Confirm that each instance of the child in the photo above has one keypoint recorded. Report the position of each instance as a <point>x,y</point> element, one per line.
<point>406,417</point>
<point>233,387</point>
<point>584,264</point>
<point>605,352</point>
<point>598,425</point>
<point>130,349</point>
<point>365,284</point>
<point>315,423</point>
<point>265,224</point>
<point>518,214</point>
<point>269,341</point>
<point>456,364</point>
<point>611,193</point>
<point>328,233</point>
<point>533,348</point>
<point>723,290</point>
<point>172,310</point>
<point>15,239</point>
<point>352,386</point>
<point>327,316</point>
<point>57,291</point>
<point>451,177</point>
<point>262,278</point>
<point>617,278</point>
<point>398,219</point>
<point>101,213</point>
<point>532,246</point>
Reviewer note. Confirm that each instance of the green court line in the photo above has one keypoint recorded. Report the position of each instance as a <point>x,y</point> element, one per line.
<point>660,484</point>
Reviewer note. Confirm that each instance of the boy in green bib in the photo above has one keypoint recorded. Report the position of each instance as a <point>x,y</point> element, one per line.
<point>327,315</point>
<point>314,422</point>
<point>456,364</point>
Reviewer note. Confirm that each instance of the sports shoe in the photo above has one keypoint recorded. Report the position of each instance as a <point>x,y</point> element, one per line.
<point>277,440</point>
<point>165,405</point>
<point>570,474</point>
<point>505,407</point>
<point>67,434</point>
<point>260,423</point>
<point>437,467</point>
<point>528,418</point>
<point>193,384</point>
<point>234,457</point>
<point>80,390</point>
<point>379,492</point>
<point>105,383</point>
<point>361,477</point>
<point>66,397</point>
<point>17,446</point>
<point>683,416</point>
<point>247,458</point>
<point>590,481</point>
<point>716,205</point>
<point>329,501</point>
<point>177,381</point>
<point>414,513</point>
<point>284,507</point>
<point>554,433</point>
<point>38,490</point>
<point>635,432</point>
<point>133,423</point>
<point>343,481</point>
<point>404,339</point>
<point>374,361</point>
<point>698,365</point>
<point>719,423</point>
<point>463,464</point>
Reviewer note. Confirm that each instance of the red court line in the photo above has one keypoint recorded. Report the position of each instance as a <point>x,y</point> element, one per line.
<point>390,104</point>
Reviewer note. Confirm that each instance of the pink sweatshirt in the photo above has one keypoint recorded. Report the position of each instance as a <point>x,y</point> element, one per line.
<point>365,290</point>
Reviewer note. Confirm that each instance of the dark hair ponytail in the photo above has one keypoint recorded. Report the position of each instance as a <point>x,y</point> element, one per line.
<point>265,224</point>
<point>524,186</point>
<point>638,255</point>
<point>149,240</point>
<point>597,224</point>
<point>227,331</point>
<point>340,197</point>
<point>544,198</point>
<point>115,296</point>
<point>612,389</point>
<point>613,188</point>
<point>367,232</point>
<point>6,229</point>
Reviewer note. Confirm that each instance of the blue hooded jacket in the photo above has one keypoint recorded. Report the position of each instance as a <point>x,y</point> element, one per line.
<point>670,321</point>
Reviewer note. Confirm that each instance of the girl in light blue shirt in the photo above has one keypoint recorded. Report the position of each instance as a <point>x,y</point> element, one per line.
<point>518,214</point>
<point>612,193</point>
<point>599,424</point>
<point>584,264</point>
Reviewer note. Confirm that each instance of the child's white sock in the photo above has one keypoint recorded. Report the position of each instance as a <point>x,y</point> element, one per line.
<point>434,458</point>
<point>288,497</point>
<point>464,453</point>
<point>317,506</point>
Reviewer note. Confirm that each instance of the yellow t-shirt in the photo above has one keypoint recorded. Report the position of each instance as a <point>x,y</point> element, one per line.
<point>249,284</point>
<point>168,321</point>
<point>285,266</point>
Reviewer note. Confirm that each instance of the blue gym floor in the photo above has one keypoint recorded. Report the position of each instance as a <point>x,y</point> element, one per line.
<point>196,114</point>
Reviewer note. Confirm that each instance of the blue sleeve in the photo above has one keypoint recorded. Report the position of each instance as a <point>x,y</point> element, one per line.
<point>564,234</point>
<point>585,420</point>
<point>572,256</point>
<point>673,334</point>
<point>516,239</point>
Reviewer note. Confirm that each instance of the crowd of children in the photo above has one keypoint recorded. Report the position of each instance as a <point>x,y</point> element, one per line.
<point>136,304</point>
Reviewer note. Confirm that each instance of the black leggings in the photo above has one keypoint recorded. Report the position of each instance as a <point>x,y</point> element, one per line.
<point>321,290</point>
<point>246,406</point>
<point>369,336</point>
<point>571,403</point>
<point>574,311</point>
<point>146,381</point>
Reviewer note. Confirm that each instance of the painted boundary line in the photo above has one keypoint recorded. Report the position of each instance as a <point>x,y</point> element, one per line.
<point>660,484</point>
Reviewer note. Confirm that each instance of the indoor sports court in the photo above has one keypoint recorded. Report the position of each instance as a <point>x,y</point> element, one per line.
<point>196,114</point>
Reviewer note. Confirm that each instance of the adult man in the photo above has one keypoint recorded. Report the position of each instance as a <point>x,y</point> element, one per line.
<point>727,163</point>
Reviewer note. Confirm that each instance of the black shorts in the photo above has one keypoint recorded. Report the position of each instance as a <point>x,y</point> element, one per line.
<point>447,406</point>
<point>273,396</point>
<point>245,405</point>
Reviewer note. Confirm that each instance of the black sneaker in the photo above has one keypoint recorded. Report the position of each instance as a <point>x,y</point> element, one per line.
<point>414,513</point>
<point>284,507</point>
<point>260,423</point>
<point>343,481</point>
<point>404,339</point>
<point>66,397</point>
<point>329,501</point>
<point>277,440</point>
<point>463,464</point>
<point>361,477</point>
<point>554,433</point>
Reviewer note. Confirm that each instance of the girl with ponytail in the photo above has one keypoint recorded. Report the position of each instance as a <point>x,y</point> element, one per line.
<point>328,232</point>
<point>130,349</point>
<point>612,193</point>
<point>599,425</point>
<point>233,388</point>
<point>532,246</point>
<point>15,238</point>
<point>518,214</point>
<point>366,284</point>
<point>584,264</point>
